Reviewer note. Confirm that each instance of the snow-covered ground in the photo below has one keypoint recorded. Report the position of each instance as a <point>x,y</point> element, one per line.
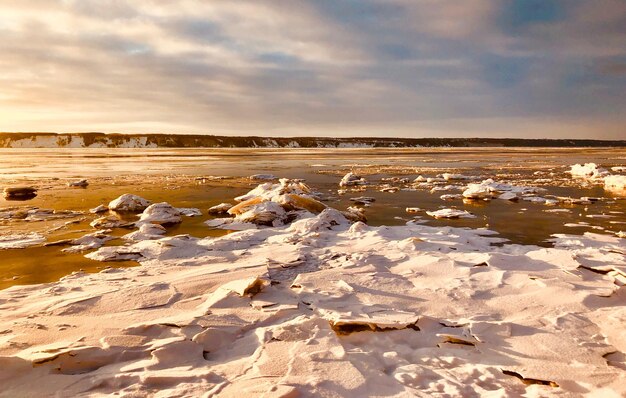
<point>307,301</point>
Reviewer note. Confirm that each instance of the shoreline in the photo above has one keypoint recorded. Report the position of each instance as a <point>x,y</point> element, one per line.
<point>121,140</point>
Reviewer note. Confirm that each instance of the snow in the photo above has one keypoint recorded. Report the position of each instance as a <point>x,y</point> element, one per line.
<point>319,308</point>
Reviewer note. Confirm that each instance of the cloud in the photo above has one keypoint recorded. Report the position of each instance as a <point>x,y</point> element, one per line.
<point>397,67</point>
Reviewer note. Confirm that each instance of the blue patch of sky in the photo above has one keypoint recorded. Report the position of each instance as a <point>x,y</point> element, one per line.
<point>517,15</point>
<point>278,58</point>
<point>504,72</point>
<point>397,51</point>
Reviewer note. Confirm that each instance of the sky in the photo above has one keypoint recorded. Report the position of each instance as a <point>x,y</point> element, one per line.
<point>392,68</point>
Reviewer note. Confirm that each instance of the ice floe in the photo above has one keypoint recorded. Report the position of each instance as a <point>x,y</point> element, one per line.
<point>160,213</point>
<point>129,203</point>
<point>20,240</point>
<point>78,183</point>
<point>189,211</point>
<point>36,214</point>
<point>263,213</point>
<point>272,204</point>
<point>363,200</point>
<point>146,232</point>
<point>352,179</point>
<point>90,241</point>
<point>450,213</point>
<point>455,177</point>
<point>588,171</point>
<point>257,177</point>
<point>222,208</point>
<point>99,209</point>
<point>451,196</point>
<point>110,221</point>
<point>592,173</point>
<point>489,189</point>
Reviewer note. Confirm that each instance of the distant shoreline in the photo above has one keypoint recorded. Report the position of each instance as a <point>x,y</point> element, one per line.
<point>103,140</point>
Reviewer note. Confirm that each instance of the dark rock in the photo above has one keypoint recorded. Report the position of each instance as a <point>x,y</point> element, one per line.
<point>19,193</point>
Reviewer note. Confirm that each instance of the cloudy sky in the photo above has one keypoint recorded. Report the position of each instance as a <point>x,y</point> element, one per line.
<point>414,68</point>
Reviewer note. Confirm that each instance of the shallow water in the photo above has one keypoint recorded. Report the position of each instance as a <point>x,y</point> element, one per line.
<point>175,176</point>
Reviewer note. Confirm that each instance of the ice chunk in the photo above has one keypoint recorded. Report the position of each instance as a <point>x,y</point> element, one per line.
<point>482,190</point>
<point>351,179</point>
<point>91,241</point>
<point>453,176</point>
<point>99,209</point>
<point>109,222</point>
<point>20,241</point>
<point>160,213</point>
<point>78,183</point>
<point>129,202</point>
<point>269,191</point>
<point>450,213</point>
<point>265,213</point>
<point>222,208</point>
<point>355,214</point>
<point>323,221</point>
<point>512,196</point>
<point>616,184</point>
<point>189,211</point>
<point>229,224</point>
<point>146,232</point>
<point>451,196</point>
<point>292,201</point>
<point>488,189</point>
<point>257,177</point>
<point>363,200</point>
<point>589,171</point>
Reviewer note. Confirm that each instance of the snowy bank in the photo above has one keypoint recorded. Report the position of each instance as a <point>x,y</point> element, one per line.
<point>323,307</point>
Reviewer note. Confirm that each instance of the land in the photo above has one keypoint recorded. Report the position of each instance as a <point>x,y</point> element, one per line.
<point>102,140</point>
